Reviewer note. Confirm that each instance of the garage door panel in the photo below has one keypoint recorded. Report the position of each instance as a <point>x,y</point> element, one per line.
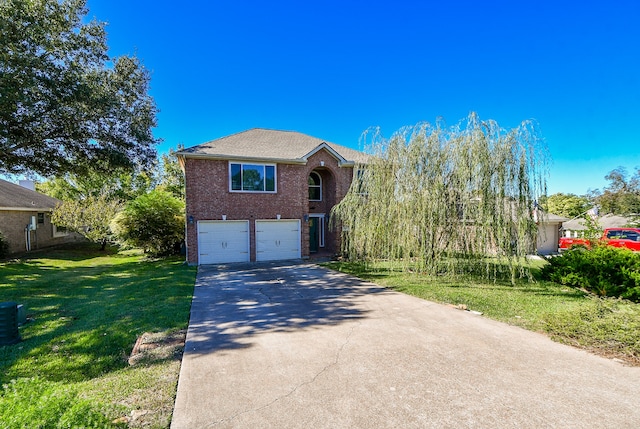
<point>223,242</point>
<point>277,240</point>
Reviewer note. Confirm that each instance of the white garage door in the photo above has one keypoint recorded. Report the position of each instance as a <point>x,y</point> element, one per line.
<point>547,239</point>
<point>277,239</point>
<point>223,241</point>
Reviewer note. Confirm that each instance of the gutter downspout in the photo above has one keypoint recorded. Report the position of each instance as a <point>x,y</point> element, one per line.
<point>27,237</point>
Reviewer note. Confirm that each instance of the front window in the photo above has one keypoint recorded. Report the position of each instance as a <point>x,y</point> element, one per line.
<point>315,187</point>
<point>252,177</point>
<point>60,231</point>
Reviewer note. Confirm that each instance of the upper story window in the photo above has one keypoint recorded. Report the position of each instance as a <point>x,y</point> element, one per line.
<point>315,187</point>
<point>252,177</point>
<point>359,181</point>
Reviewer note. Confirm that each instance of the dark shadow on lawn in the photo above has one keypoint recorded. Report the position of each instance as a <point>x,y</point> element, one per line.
<point>91,316</point>
<point>74,251</point>
<point>234,303</point>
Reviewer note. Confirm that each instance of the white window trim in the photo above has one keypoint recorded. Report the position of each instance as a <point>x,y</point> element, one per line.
<point>320,186</point>
<point>275,177</point>
<point>320,217</point>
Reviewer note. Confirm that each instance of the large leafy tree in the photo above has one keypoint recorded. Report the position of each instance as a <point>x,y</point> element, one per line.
<point>622,195</point>
<point>438,198</point>
<point>569,205</point>
<point>65,105</point>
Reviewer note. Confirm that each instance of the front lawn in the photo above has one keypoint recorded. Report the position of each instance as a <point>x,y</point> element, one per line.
<point>608,327</point>
<point>86,309</point>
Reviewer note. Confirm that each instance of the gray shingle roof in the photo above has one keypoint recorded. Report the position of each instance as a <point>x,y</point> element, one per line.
<point>606,221</point>
<point>552,218</point>
<point>271,145</point>
<point>16,197</point>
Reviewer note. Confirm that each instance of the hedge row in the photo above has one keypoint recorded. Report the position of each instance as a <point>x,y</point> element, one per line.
<point>603,270</point>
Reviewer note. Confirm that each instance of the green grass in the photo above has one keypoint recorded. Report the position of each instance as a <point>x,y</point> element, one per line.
<point>608,327</point>
<point>87,309</point>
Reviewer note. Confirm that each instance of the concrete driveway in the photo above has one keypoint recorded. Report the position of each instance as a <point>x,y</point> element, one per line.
<point>298,346</point>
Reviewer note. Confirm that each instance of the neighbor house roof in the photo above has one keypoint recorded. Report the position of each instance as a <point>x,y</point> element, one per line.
<point>606,221</point>
<point>259,144</point>
<point>551,218</point>
<point>16,197</point>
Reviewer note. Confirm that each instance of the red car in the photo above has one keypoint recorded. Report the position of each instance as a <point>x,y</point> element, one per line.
<point>615,237</point>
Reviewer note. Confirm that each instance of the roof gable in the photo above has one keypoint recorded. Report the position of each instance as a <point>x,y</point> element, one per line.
<point>261,144</point>
<point>16,197</point>
<point>329,149</point>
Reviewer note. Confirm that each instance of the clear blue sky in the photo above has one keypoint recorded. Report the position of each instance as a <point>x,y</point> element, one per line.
<point>332,69</point>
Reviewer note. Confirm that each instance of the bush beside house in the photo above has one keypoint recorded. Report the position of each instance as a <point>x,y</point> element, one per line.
<point>154,222</point>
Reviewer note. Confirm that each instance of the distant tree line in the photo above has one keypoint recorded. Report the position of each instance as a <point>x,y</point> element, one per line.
<point>621,196</point>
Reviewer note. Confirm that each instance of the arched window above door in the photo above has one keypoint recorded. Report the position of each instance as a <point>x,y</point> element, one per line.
<point>315,187</point>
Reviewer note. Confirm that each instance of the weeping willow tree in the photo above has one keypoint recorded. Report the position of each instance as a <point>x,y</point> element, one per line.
<point>446,199</point>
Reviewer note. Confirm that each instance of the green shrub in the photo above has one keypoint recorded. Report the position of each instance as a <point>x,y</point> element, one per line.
<point>154,222</point>
<point>36,403</point>
<point>603,271</point>
<point>4,246</point>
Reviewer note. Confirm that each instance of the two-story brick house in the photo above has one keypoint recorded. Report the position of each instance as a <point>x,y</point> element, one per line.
<point>263,195</point>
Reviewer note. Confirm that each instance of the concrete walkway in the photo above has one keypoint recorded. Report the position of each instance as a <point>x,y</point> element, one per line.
<point>299,346</point>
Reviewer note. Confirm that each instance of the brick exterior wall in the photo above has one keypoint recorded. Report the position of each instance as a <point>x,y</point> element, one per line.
<point>13,224</point>
<point>208,197</point>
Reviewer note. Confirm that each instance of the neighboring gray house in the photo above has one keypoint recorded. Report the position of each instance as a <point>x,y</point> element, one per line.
<point>575,227</point>
<point>25,218</point>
